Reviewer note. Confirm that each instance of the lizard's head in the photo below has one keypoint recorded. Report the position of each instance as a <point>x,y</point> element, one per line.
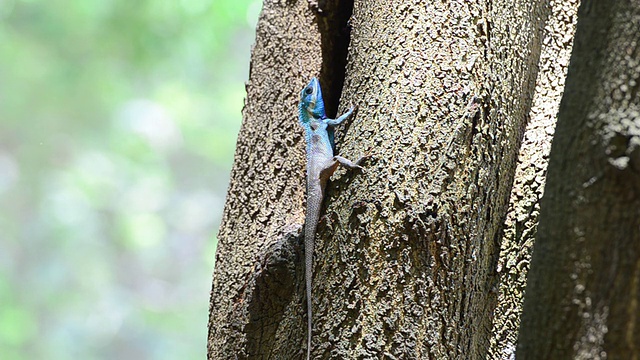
<point>311,103</point>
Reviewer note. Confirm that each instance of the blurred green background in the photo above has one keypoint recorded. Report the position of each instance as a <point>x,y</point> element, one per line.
<point>118,121</point>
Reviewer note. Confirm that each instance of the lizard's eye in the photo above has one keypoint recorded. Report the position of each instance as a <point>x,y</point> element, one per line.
<point>308,90</point>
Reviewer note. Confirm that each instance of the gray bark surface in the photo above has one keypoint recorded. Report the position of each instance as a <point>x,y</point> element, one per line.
<point>583,291</point>
<point>406,253</point>
<point>528,186</point>
<point>407,256</point>
<point>258,274</point>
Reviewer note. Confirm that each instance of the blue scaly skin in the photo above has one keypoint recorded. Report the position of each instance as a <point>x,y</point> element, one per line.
<point>321,163</point>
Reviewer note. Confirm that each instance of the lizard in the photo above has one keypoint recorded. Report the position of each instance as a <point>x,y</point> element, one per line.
<point>321,163</point>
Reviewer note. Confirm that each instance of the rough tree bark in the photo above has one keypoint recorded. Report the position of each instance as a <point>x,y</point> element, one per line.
<point>583,290</point>
<point>528,185</point>
<point>256,307</point>
<point>406,253</point>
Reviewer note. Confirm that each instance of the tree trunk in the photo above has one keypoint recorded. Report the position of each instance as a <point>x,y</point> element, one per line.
<point>256,306</point>
<point>406,252</point>
<point>583,290</point>
<point>524,204</point>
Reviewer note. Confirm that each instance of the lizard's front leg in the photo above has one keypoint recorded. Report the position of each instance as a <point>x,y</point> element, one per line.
<point>341,118</point>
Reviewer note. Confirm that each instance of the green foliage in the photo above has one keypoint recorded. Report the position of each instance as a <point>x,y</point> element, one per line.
<point>118,122</point>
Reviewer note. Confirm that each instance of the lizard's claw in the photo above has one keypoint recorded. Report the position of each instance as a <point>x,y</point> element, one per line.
<point>363,158</point>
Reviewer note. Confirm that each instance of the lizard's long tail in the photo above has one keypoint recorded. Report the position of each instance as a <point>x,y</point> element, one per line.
<point>314,201</point>
<point>308,254</point>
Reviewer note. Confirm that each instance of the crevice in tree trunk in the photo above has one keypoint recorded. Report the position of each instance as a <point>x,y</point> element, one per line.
<point>335,33</point>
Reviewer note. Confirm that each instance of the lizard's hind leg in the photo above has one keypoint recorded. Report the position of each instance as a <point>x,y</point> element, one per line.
<point>350,164</point>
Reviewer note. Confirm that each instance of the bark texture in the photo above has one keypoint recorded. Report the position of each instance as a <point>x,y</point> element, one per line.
<point>583,291</point>
<point>406,259</point>
<point>524,205</point>
<point>256,309</point>
<point>406,253</point>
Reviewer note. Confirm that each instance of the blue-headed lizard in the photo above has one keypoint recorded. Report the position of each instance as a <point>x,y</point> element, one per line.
<point>321,163</point>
